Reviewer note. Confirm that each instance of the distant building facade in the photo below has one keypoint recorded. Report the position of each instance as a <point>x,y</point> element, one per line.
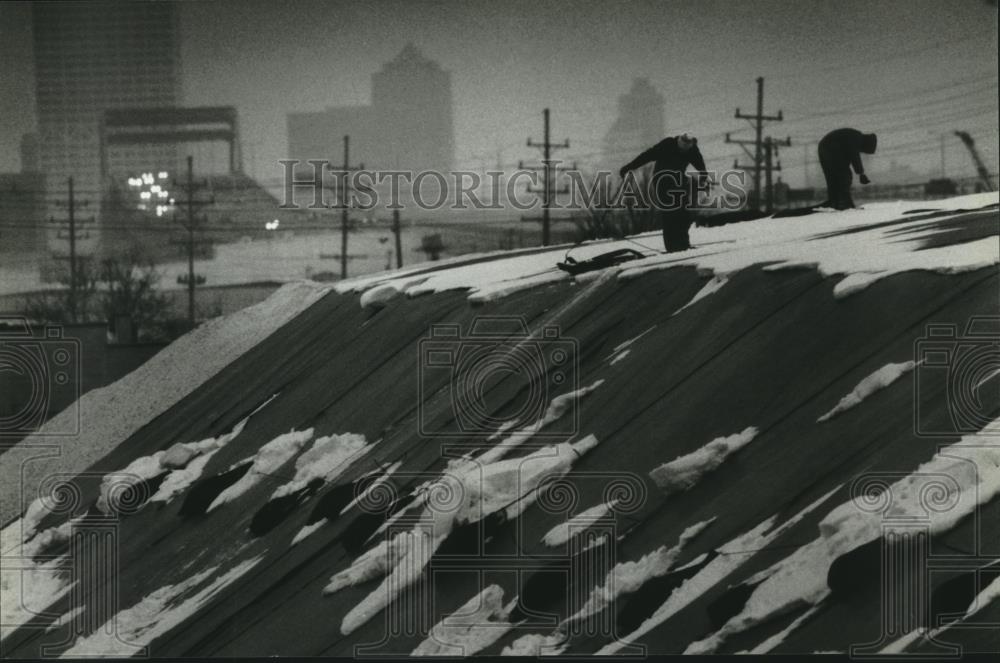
<point>407,126</point>
<point>22,216</point>
<point>640,123</point>
<point>90,57</point>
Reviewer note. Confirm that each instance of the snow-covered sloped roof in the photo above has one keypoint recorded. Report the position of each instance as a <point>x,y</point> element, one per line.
<point>719,450</point>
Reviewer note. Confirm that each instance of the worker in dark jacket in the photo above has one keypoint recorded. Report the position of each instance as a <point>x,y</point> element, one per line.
<point>672,190</point>
<point>839,151</point>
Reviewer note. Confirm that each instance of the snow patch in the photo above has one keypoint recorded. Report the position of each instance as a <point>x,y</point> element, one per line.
<point>268,459</point>
<point>557,408</point>
<point>628,577</point>
<point>308,530</point>
<point>198,453</point>
<point>469,496</point>
<point>685,471</point>
<point>620,356</point>
<point>131,630</point>
<point>470,629</point>
<point>111,414</point>
<point>113,485</point>
<point>379,296</point>
<point>779,637</point>
<point>562,532</point>
<point>626,345</point>
<point>989,594</point>
<point>959,478</point>
<point>382,478</point>
<point>28,589</point>
<point>710,288</point>
<point>326,459</point>
<point>878,380</point>
<point>731,556</point>
<point>536,644</point>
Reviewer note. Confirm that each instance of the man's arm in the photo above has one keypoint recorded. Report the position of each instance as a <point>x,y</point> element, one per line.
<point>640,160</point>
<point>856,162</point>
<point>697,160</point>
<point>859,167</point>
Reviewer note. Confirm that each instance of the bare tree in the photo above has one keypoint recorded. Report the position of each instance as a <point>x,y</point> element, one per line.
<point>121,285</point>
<point>57,306</point>
<point>130,289</point>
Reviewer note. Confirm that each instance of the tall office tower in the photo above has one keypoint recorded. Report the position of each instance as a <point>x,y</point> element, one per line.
<point>639,123</point>
<point>91,57</point>
<point>412,104</point>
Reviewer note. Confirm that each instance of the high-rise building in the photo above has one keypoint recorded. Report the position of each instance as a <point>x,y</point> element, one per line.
<point>90,57</point>
<point>411,96</point>
<point>407,126</point>
<point>639,123</point>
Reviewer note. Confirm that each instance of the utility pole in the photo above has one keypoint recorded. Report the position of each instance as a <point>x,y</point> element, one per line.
<point>548,173</point>
<point>757,123</point>
<point>399,240</point>
<point>71,204</point>
<point>942,157</point>
<point>770,152</point>
<point>190,187</point>
<point>72,252</point>
<point>344,222</point>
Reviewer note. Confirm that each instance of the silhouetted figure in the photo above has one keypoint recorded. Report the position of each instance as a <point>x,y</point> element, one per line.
<point>839,151</point>
<point>672,156</point>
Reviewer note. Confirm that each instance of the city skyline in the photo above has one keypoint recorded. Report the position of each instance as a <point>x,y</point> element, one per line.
<point>895,68</point>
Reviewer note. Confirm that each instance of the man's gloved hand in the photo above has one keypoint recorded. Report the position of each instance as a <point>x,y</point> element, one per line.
<point>622,171</point>
<point>864,179</point>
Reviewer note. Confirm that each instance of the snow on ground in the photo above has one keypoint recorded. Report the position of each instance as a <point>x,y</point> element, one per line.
<point>878,380</point>
<point>710,288</point>
<point>130,631</point>
<point>685,471</point>
<point>565,530</point>
<point>459,498</point>
<point>326,459</point>
<point>470,629</point>
<point>861,257</point>
<point>628,577</point>
<point>268,460</point>
<point>536,644</point>
<point>731,556</point>
<point>958,479</point>
<point>107,416</point>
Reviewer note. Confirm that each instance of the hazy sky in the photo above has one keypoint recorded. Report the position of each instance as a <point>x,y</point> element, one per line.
<point>909,69</point>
